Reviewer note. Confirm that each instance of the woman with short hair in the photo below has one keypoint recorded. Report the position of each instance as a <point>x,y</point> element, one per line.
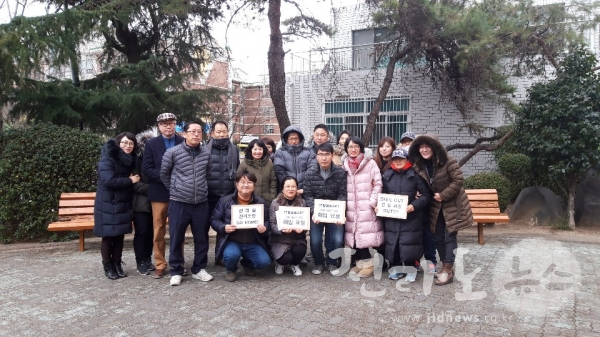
<point>112,206</point>
<point>288,246</point>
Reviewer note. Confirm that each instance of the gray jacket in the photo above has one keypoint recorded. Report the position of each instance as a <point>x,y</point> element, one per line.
<point>184,173</point>
<point>293,160</point>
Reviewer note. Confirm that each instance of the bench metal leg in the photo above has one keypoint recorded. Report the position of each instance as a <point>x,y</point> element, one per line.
<point>480,233</point>
<point>81,241</point>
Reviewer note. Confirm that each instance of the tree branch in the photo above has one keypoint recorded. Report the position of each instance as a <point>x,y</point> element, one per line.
<point>479,146</point>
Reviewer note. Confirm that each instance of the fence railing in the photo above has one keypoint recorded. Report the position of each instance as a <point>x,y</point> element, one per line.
<point>337,59</point>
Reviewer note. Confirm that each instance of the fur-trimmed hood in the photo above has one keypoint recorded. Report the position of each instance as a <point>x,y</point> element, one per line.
<point>440,154</point>
<point>143,136</point>
<point>112,150</point>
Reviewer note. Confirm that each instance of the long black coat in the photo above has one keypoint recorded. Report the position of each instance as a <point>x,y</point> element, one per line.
<point>112,207</point>
<point>407,232</point>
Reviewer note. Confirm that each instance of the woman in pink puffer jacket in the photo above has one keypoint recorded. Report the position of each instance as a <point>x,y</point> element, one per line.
<point>363,229</point>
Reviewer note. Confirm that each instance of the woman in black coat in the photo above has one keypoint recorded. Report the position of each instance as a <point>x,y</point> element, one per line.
<point>403,237</point>
<point>112,207</point>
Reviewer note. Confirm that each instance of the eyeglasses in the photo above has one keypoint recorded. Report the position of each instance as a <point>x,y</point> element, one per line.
<point>245,183</point>
<point>354,147</point>
<point>195,132</point>
<point>126,143</point>
<point>323,154</point>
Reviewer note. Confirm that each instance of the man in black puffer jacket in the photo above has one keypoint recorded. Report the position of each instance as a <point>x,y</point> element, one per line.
<point>329,182</point>
<point>183,171</point>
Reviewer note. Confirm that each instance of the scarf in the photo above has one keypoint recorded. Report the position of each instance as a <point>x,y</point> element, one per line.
<point>339,150</point>
<point>353,163</point>
<point>401,169</point>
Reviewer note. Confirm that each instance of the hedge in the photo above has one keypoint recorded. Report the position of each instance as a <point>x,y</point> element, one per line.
<point>492,180</point>
<point>37,164</point>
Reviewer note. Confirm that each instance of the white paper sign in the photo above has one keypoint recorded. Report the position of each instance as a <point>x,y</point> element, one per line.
<point>392,205</point>
<point>247,216</point>
<point>293,218</point>
<point>329,211</point>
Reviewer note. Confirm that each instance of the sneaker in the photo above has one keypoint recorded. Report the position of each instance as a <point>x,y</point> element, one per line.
<point>431,268</point>
<point>149,264</point>
<point>231,276</point>
<point>176,280</point>
<point>334,270</point>
<point>410,277</point>
<point>317,270</point>
<point>202,275</point>
<point>396,276</point>
<point>142,268</point>
<point>296,270</point>
<point>278,269</point>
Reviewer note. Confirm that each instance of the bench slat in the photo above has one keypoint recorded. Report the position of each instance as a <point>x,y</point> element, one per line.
<point>483,197</point>
<point>76,203</point>
<point>75,211</point>
<point>490,218</point>
<point>70,226</point>
<point>484,204</point>
<point>482,191</point>
<point>78,196</point>
<point>485,211</point>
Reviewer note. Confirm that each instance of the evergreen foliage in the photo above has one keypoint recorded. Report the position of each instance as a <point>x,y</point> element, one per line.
<point>150,50</point>
<point>37,164</point>
<point>558,126</point>
<point>517,168</point>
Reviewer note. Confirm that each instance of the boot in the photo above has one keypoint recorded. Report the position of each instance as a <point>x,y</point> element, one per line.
<point>446,275</point>
<point>357,268</point>
<point>119,269</point>
<point>109,270</point>
<point>367,269</point>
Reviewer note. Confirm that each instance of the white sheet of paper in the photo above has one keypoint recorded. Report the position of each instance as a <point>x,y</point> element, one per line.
<point>247,216</point>
<point>392,205</point>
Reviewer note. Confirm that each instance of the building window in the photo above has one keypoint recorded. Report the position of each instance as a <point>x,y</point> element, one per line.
<point>351,114</point>
<point>268,129</point>
<point>367,46</point>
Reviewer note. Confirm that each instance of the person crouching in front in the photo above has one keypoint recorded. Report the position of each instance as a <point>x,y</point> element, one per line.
<point>233,243</point>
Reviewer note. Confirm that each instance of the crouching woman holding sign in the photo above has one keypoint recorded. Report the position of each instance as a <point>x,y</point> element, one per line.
<point>288,246</point>
<point>242,221</point>
<point>403,237</point>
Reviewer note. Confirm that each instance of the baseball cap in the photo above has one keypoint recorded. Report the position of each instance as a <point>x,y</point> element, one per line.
<point>400,153</point>
<point>409,135</point>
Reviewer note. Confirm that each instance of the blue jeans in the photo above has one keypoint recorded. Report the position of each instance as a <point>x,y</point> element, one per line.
<point>334,239</point>
<point>255,256</point>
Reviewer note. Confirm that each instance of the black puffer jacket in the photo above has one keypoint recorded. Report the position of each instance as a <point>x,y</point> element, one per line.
<point>112,206</point>
<point>221,216</point>
<point>224,162</point>
<point>185,175</point>
<point>334,188</point>
<point>407,232</point>
<point>293,160</point>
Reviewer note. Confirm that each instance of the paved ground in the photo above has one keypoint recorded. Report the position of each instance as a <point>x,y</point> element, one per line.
<point>520,287</point>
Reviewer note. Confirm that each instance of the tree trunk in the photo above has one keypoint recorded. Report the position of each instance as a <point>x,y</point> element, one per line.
<point>387,82</point>
<point>571,205</point>
<point>276,59</point>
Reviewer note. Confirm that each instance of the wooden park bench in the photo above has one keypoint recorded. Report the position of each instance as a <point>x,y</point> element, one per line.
<point>75,213</point>
<point>484,204</point>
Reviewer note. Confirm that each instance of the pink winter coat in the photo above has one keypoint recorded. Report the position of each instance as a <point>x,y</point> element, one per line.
<point>363,229</point>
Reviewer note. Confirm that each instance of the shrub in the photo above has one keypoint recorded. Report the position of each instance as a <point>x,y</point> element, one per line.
<point>37,164</point>
<point>517,168</point>
<point>492,180</point>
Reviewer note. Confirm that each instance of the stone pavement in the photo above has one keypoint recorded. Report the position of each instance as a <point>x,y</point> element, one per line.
<point>519,286</point>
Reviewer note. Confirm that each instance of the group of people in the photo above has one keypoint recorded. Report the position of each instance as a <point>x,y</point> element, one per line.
<point>151,179</point>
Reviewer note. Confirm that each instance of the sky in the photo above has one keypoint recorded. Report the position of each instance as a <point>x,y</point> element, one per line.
<point>246,38</point>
